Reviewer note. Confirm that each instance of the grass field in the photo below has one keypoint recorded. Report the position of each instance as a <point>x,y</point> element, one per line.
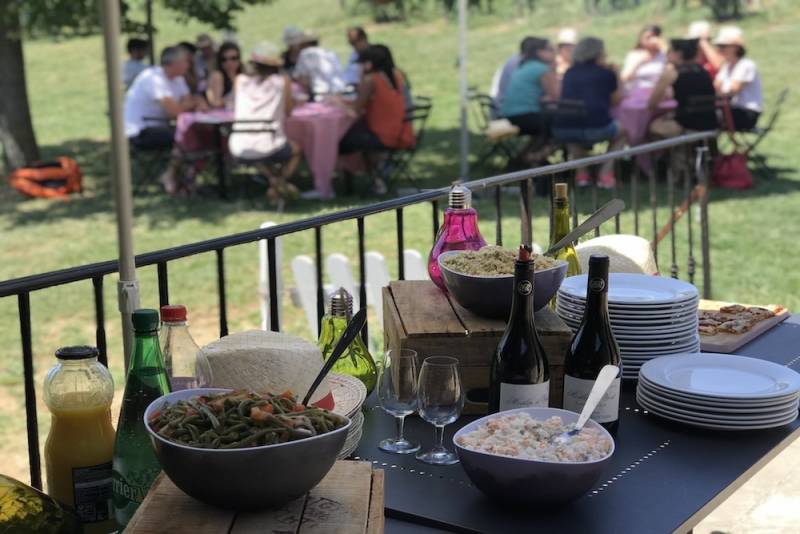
<point>751,258</point>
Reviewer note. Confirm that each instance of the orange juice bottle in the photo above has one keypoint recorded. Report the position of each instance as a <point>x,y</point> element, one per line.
<point>79,448</point>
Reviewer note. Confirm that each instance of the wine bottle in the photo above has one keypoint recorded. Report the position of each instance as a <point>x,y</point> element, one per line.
<point>560,228</point>
<point>520,375</point>
<point>593,347</point>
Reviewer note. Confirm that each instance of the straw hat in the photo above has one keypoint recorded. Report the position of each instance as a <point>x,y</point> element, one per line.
<point>567,36</point>
<point>266,53</point>
<point>730,36</point>
<point>308,36</point>
<point>699,29</point>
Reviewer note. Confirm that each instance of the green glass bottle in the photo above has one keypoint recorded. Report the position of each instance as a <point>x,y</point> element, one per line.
<point>561,227</point>
<point>135,465</point>
<point>356,360</point>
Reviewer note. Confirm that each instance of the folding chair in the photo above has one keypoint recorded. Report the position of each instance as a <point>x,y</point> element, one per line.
<point>244,126</point>
<point>483,110</point>
<point>147,163</point>
<point>396,165</point>
<point>761,133</point>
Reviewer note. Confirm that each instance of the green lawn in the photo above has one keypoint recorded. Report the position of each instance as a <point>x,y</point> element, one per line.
<point>66,83</point>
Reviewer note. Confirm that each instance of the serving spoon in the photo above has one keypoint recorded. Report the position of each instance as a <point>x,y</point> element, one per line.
<point>610,209</point>
<point>607,375</point>
<point>353,328</point>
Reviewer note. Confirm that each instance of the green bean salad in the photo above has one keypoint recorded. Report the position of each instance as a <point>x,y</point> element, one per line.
<point>241,419</point>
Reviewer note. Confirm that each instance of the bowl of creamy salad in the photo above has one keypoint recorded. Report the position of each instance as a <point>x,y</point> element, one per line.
<point>512,458</point>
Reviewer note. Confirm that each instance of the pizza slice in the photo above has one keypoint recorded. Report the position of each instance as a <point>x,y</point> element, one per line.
<point>707,330</point>
<point>732,308</point>
<point>710,315</point>
<point>759,313</point>
<point>735,326</point>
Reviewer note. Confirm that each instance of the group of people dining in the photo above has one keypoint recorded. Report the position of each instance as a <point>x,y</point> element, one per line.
<point>260,94</point>
<point>675,86</point>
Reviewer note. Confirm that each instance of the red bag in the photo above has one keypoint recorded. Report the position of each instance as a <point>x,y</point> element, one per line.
<point>48,179</point>
<point>730,170</point>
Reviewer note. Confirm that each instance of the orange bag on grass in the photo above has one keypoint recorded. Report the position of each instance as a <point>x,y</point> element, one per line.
<point>48,179</point>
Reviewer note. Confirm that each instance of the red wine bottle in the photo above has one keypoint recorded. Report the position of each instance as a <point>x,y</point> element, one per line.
<point>593,347</point>
<point>520,376</point>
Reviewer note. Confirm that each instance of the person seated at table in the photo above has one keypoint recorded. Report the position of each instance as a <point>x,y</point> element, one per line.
<point>134,65</point>
<point>709,57</point>
<point>265,94</point>
<point>292,38</point>
<point>596,84</point>
<point>738,79</point>
<point>358,40</point>
<point>205,57</point>
<point>221,81</point>
<point>318,69</point>
<point>534,80</point>
<point>196,85</point>
<point>503,75</point>
<point>157,95</point>
<point>565,43</point>
<point>692,88</point>
<point>643,65</point>
<point>380,107</point>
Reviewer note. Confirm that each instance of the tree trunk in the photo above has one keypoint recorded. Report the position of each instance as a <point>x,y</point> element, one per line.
<point>16,130</point>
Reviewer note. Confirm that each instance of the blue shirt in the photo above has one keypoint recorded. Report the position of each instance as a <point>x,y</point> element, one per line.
<point>524,89</point>
<point>593,85</point>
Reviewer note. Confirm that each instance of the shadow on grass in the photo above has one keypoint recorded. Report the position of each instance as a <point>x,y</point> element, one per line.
<point>434,165</point>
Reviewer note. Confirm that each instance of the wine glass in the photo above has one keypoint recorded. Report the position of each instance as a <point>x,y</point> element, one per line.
<point>397,393</point>
<point>440,399</point>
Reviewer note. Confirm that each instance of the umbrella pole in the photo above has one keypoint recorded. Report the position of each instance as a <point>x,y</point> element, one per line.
<point>127,286</point>
<point>462,72</point>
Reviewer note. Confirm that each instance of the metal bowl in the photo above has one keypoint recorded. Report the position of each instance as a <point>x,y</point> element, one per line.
<point>245,479</point>
<point>520,482</point>
<point>490,296</point>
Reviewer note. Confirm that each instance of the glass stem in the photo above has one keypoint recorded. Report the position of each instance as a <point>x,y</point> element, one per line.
<point>400,421</point>
<point>439,437</point>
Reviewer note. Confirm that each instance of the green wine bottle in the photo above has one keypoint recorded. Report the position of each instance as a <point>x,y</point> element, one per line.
<point>561,227</point>
<point>135,465</point>
<point>356,360</point>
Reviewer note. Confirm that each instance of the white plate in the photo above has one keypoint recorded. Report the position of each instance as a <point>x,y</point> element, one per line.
<point>626,288</point>
<point>566,298</point>
<point>713,417</point>
<point>723,376</point>
<point>717,402</point>
<point>633,326</point>
<point>663,350</point>
<point>696,406</point>
<point>717,426</point>
<point>635,311</point>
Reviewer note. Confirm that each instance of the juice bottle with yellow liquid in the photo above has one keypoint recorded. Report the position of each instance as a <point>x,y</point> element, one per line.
<point>79,449</point>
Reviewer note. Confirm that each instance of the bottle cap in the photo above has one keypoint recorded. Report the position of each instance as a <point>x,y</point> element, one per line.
<point>460,197</point>
<point>145,320</point>
<point>561,191</point>
<point>601,260</point>
<point>173,313</point>
<point>341,303</point>
<point>77,352</point>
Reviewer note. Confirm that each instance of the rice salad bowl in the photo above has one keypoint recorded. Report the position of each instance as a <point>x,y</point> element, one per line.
<point>510,457</point>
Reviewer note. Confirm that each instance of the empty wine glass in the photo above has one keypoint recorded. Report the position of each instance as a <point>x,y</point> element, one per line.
<point>397,393</point>
<point>440,401</point>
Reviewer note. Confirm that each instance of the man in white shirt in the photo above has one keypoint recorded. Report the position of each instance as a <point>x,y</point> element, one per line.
<point>358,40</point>
<point>318,69</point>
<point>157,95</point>
<point>738,79</point>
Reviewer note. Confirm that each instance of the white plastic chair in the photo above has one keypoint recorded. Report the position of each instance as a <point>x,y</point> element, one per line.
<point>415,266</point>
<point>263,278</point>
<point>627,253</point>
<point>377,279</point>
<point>305,280</point>
<point>340,273</point>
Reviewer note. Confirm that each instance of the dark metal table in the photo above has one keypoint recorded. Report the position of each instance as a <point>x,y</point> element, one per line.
<point>664,477</point>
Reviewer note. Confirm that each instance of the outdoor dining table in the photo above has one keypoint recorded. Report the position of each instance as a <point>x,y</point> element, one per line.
<point>634,114</point>
<point>664,477</point>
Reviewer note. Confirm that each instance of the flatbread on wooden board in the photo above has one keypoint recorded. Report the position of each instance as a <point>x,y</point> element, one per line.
<point>733,318</point>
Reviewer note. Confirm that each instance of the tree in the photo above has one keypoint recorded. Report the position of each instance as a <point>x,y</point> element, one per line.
<point>28,18</point>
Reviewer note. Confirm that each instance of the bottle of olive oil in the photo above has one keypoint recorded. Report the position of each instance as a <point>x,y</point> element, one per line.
<point>561,227</point>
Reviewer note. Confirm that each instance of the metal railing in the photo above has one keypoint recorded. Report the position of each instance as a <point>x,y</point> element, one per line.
<point>686,177</point>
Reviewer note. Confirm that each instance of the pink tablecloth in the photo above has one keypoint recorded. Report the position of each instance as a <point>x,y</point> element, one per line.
<point>317,127</point>
<point>195,130</point>
<point>634,115</point>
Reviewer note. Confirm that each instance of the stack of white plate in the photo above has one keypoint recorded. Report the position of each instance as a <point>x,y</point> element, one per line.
<point>719,391</point>
<point>651,316</point>
<point>349,394</point>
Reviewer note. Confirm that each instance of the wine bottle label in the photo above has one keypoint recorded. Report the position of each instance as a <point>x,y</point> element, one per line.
<point>597,284</point>
<point>576,391</point>
<point>524,395</point>
<point>92,489</point>
<point>524,288</point>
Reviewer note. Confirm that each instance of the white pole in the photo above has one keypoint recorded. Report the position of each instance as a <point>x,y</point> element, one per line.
<point>463,90</point>
<point>127,286</point>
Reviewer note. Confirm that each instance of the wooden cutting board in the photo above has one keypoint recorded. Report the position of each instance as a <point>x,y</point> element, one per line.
<point>725,342</point>
<point>349,500</point>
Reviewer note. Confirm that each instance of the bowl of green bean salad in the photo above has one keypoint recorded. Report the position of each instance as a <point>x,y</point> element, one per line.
<point>243,450</point>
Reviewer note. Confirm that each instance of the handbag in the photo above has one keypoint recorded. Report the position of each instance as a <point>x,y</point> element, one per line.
<point>730,170</point>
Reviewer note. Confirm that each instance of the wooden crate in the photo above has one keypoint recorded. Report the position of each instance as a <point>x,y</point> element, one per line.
<point>348,500</point>
<point>418,316</point>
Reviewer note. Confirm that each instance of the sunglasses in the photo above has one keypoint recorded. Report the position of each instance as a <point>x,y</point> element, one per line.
<point>230,58</point>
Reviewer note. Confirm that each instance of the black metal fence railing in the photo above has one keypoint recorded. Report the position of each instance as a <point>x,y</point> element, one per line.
<point>686,177</point>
